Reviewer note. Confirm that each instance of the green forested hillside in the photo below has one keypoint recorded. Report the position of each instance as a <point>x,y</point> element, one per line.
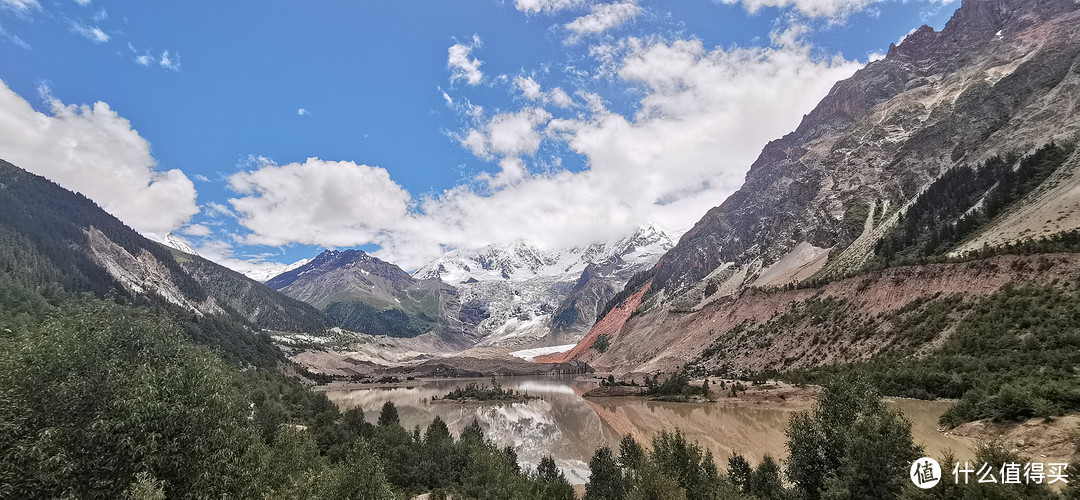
<point>42,238</point>
<point>964,200</point>
<point>44,246</point>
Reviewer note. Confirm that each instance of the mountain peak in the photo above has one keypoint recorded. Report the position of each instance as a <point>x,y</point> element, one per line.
<point>172,241</point>
<point>523,259</point>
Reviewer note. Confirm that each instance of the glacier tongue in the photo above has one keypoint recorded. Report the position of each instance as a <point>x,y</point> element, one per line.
<point>521,285</point>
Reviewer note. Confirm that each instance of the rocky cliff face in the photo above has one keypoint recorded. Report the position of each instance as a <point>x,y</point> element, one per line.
<point>1001,79</point>
<point>1002,76</point>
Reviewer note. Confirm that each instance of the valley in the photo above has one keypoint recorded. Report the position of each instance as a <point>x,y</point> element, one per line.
<point>896,277</point>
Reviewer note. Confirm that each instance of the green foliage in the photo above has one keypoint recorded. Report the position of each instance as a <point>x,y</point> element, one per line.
<point>650,483</point>
<point>965,199</point>
<point>739,472</point>
<point>145,487</point>
<point>96,393</point>
<point>676,387</point>
<point>631,454</point>
<point>552,483</point>
<point>361,317</point>
<point>688,464</point>
<point>1011,356</point>
<point>849,446</point>
<point>602,343</point>
<point>389,415</point>
<point>44,242</point>
<point>247,300</point>
<point>765,483</point>
<point>474,392</point>
<point>606,481</point>
<point>853,222</point>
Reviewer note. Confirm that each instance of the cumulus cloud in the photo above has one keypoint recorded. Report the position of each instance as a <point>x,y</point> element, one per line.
<point>531,90</point>
<point>92,33</point>
<point>330,203</point>
<point>813,8</point>
<point>704,116</point>
<point>461,66</point>
<point>507,136</point>
<point>560,98</point>
<point>302,112</point>
<point>528,87</point>
<point>545,6</point>
<point>603,17</point>
<point>93,150</point>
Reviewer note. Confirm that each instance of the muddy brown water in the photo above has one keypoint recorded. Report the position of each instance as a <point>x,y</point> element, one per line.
<point>570,428</point>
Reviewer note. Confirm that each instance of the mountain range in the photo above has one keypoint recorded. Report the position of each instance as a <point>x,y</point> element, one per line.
<point>507,295</point>
<point>947,167</point>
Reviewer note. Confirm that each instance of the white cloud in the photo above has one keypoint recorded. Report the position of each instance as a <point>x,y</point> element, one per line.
<point>214,209</point>
<point>560,98</point>
<point>545,6</point>
<point>196,230</point>
<point>302,112</point>
<point>704,116</point>
<point>20,5</point>
<point>529,88</point>
<point>201,178</point>
<point>11,37</point>
<point>144,59</point>
<point>813,8</point>
<point>93,150</point>
<point>251,265</point>
<point>82,2</point>
<point>507,134</point>
<point>461,67</point>
<point>168,62</point>
<point>319,202</point>
<point>603,17</point>
<point>92,33</point>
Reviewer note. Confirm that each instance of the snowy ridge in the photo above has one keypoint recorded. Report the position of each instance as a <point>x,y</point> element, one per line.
<point>522,260</point>
<point>172,241</point>
<point>262,272</point>
<point>521,285</point>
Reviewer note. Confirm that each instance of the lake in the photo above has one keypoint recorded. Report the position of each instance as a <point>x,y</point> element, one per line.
<point>570,428</point>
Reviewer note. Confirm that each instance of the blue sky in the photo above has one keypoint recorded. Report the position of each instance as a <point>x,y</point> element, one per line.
<point>436,124</point>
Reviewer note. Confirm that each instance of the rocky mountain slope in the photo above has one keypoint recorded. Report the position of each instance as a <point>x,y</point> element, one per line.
<point>955,143</point>
<point>366,294</point>
<point>1000,78</point>
<point>52,237</point>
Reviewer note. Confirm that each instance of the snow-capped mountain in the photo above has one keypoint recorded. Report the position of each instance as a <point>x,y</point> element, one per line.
<point>172,241</point>
<point>262,272</point>
<point>522,289</point>
<point>523,260</point>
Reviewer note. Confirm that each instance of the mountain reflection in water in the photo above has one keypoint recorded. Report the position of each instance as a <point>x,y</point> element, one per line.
<point>570,428</point>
